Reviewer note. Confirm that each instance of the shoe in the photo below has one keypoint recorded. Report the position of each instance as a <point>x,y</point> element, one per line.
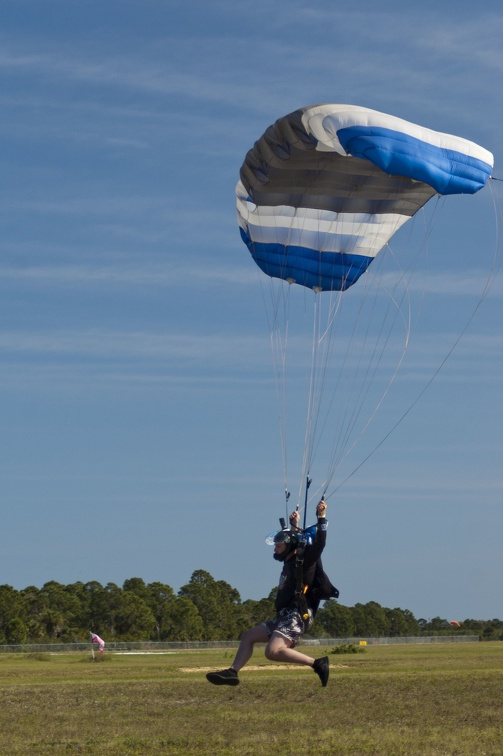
<point>322,669</point>
<point>223,677</point>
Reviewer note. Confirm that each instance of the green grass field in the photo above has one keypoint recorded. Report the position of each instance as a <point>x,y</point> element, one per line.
<point>424,699</point>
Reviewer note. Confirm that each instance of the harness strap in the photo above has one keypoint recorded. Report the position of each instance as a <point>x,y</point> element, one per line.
<point>300,589</point>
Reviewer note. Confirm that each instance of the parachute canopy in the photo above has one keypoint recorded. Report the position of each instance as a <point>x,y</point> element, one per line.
<point>325,187</point>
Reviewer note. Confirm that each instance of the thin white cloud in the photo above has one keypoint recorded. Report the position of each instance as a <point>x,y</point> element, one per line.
<point>172,274</point>
<point>234,347</point>
<point>117,345</point>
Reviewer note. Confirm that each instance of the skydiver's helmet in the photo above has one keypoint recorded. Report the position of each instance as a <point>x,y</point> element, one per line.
<point>291,541</point>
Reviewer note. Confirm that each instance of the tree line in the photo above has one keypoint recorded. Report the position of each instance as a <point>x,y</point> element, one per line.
<point>204,609</point>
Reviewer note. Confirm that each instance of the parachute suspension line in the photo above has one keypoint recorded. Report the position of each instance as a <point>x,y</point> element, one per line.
<point>328,340</point>
<point>493,270</point>
<point>350,410</point>
<point>496,262</point>
<point>279,348</point>
<point>347,418</point>
<point>325,341</point>
<point>308,437</point>
<point>324,349</point>
<point>378,350</point>
<point>276,307</point>
<point>395,304</point>
<point>428,225</point>
<point>320,352</point>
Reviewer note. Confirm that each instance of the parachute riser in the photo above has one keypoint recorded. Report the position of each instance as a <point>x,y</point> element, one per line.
<point>287,496</point>
<point>308,483</point>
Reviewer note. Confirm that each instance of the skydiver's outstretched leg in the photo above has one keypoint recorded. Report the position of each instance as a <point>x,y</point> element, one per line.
<point>280,649</point>
<point>257,634</point>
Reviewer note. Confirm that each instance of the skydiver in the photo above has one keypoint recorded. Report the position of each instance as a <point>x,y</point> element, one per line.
<point>292,620</point>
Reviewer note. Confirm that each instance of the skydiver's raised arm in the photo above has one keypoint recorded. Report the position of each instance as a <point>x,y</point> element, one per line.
<point>315,549</point>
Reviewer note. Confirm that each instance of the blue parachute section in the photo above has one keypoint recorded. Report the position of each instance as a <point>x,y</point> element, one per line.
<point>447,171</point>
<point>305,266</point>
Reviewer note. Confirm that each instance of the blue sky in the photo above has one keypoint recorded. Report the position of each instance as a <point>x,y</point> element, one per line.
<point>139,419</point>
